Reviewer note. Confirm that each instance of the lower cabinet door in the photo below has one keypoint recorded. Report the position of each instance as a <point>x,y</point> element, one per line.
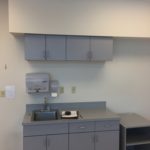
<point>107,140</point>
<point>81,141</point>
<point>34,143</point>
<point>57,142</point>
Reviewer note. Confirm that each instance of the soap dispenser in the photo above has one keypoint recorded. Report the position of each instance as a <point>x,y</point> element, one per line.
<point>54,86</point>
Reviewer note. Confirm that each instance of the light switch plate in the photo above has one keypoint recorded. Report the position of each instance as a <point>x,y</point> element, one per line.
<point>61,90</point>
<point>73,89</point>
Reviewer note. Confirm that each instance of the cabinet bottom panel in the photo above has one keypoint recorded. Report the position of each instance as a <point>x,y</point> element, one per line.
<point>139,147</point>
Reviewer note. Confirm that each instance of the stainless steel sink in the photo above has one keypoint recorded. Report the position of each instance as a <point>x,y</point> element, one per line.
<point>45,115</point>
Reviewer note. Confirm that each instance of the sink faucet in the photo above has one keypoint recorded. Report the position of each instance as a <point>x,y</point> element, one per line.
<point>46,106</point>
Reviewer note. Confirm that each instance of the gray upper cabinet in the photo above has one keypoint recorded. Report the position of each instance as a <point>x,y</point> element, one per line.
<point>101,48</point>
<point>78,48</point>
<point>40,47</point>
<point>55,47</point>
<point>34,47</point>
<point>73,48</point>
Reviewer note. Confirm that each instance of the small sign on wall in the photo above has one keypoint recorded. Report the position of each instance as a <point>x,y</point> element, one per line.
<point>10,91</point>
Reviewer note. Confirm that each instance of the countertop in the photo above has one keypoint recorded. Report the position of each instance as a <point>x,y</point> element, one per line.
<point>85,115</point>
<point>133,120</point>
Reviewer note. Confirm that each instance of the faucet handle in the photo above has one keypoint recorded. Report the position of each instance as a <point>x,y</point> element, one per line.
<point>46,106</point>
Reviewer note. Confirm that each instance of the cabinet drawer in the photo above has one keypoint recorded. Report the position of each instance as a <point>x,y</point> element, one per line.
<point>81,127</point>
<point>107,125</point>
<point>59,128</point>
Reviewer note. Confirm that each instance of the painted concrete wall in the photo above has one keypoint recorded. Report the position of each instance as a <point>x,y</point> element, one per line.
<point>124,82</point>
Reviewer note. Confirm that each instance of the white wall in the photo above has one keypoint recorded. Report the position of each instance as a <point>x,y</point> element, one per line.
<point>121,18</point>
<point>124,82</point>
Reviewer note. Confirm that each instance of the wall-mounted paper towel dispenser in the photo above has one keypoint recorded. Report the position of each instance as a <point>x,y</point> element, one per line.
<point>37,82</point>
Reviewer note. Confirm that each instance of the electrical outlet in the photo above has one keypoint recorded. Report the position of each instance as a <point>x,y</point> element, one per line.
<point>61,89</point>
<point>73,89</point>
<point>2,93</point>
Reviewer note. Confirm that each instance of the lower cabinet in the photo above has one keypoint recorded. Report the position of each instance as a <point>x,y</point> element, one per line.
<point>57,142</point>
<point>34,143</point>
<point>81,141</point>
<point>107,140</point>
<point>99,135</point>
<point>50,142</point>
<point>79,135</point>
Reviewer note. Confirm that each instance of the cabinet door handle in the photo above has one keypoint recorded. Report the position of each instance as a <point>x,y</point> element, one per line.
<point>47,54</point>
<point>48,142</point>
<point>90,55</point>
<point>44,142</point>
<point>82,127</point>
<point>44,54</point>
<point>93,138</point>
<point>96,138</point>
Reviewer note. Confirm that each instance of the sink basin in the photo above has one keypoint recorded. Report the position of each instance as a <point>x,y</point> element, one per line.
<point>45,115</point>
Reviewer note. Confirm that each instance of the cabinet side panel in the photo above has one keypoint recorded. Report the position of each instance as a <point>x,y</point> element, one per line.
<point>122,138</point>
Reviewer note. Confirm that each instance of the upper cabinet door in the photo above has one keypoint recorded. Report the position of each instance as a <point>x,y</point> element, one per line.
<point>55,47</point>
<point>34,47</point>
<point>101,48</point>
<point>78,48</point>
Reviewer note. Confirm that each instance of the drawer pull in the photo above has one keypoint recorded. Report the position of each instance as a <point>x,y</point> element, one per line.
<point>107,126</point>
<point>82,127</point>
